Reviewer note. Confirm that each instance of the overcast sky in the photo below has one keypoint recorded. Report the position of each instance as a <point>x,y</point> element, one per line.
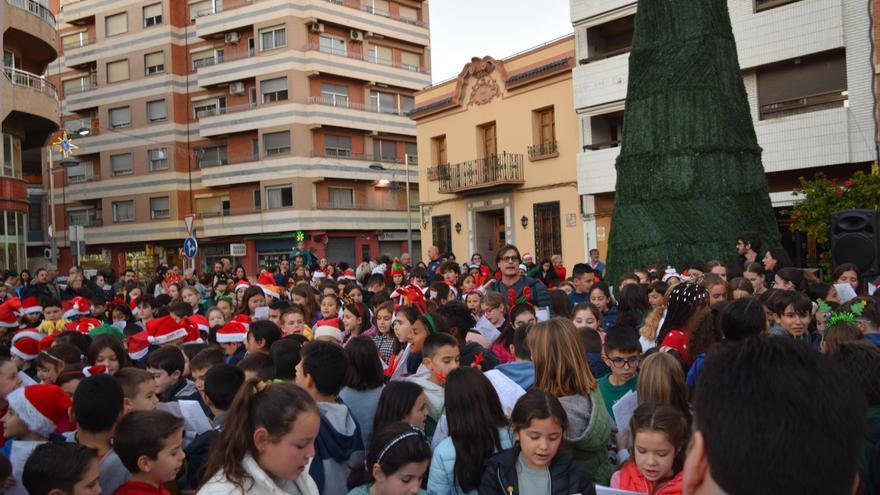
<point>461,29</point>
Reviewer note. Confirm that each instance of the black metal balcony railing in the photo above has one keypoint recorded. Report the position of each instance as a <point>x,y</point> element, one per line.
<point>505,169</point>
<point>544,149</point>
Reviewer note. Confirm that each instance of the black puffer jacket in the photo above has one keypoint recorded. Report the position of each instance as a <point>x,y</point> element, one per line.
<point>566,477</point>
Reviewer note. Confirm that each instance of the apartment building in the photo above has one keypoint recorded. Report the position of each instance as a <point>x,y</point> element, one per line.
<point>807,69</point>
<point>262,118</point>
<point>29,111</point>
<point>498,144</point>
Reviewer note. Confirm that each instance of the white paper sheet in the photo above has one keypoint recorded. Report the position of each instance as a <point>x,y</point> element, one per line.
<point>487,330</point>
<point>623,410</point>
<point>21,450</point>
<point>400,370</point>
<point>261,313</point>
<point>604,490</point>
<point>26,380</point>
<point>542,313</point>
<point>191,412</point>
<point>508,390</point>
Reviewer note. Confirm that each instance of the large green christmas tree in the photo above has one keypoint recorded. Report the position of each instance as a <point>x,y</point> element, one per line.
<point>689,175</point>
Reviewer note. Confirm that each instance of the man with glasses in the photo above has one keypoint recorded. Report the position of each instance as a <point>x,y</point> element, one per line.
<point>508,261</point>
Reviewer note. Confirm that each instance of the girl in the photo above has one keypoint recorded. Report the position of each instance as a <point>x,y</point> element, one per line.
<point>661,381</point>
<point>587,315</point>
<point>216,317</point>
<point>556,259</point>
<point>424,325</point>
<point>477,430</point>
<point>847,273</point>
<point>684,301</point>
<point>401,401</point>
<point>266,443</point>
<point>69,378</point>
<point>107,350</point>
<point>174,293</point>
<point>355,319</point>
<point>600,296</point>
<point>303,296</point>
<point>523,314</point>
<point>225,305</point>
<point>657,294</point>
<point>560,370</point>
<point>474,301</point>
<point>384,338</point>
<point>191,296</point>
<point>838,333</point>
<point>330,307</point>
<point>634,305</point>
<point>440,293</point>
<point>560,304</point>
<point>364,382</point>
<point>739,288</point>
<point>755,274</point>
<point>661,435</point>
<point>403,324</point>
<point>353,293</point>
<point>536,465</point>
<point>774,260</point>
<point>789,279</point>
<point>467,283</point>
<point>50,362</point>
<point>396,462</point>
<point>495,310</point>
<point>252,299</point>
<point>547,274</point>
<point>716,286</point>
<point>239,273</point>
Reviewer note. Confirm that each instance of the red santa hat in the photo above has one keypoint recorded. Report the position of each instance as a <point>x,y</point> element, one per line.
<point>79,306</point>
<point>9,313</point>
<point>40,406</point>
<point>242,284</point>
<point>265,278</point>
<point>328,322</point>
<point>31,305</point>
<point>348,274</point>
<point>26,344</point>
<point>47,341</point>
<point>232,332</point>
<point>199,322</point>
<point>135,308</point>
<point>83,325</point>
<point>165,329</point>
<point>138,345</point>
<point>244,320</point>
<point>97,369</point>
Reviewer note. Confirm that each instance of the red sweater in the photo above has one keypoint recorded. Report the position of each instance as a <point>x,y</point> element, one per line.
<point>630,478</point>
<point>140,488</point>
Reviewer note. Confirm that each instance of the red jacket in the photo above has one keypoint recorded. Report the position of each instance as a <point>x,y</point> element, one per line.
<point>140,488</point>
<point>630,478</point>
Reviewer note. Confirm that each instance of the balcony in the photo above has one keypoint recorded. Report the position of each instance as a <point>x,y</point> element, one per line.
<point>30,94</point>
<point>81,128</point>
<point>371,10</point>
<point>542,151</point>
<point>37,10</point>
<point>596,170</point>
<point>81,85</point>
<point>812,103</point>
<point>366,58</point>
<point>601,81</point>
<point>587,9</point>
<point>78,53</point>
<point>29,80</point>
<point>476,176</point>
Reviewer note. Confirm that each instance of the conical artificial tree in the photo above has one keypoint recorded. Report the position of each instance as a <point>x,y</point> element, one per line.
<point>689,175</point>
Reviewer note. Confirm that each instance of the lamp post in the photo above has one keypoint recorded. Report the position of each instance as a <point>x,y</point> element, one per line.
<point>409,238</point>
<point>65,146</point>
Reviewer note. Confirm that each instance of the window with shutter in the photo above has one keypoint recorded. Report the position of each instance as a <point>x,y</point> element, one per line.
<point>116,24</point>
<point>273,37</point>
<point>341,197</point>
<point>334,94</point>
<point>211,156</point>
<point>117,71</point>
<point>332,45</point>
<point>154,63</point>
<point>380,55</point>
<point>410,61</point>
<point>160,207</point>
<point>121,164</point>
<point>382,102</point>
<point>156,110</point>
<point>274,90</point>
<point>276,143</point>
<point>120,117</point>
<point>75,40</point>
<point>408,14</point>
<point>123,211</point>
<point>158,159</point>
<point>152,14</point>
<point>337,145</point>
<point>385,150</point>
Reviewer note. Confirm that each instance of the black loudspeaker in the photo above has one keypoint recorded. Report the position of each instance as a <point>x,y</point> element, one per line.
<point>855,238</point>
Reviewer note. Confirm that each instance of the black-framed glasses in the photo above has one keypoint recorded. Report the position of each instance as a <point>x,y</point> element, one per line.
<point>510,259</point>
<point>632,362</point>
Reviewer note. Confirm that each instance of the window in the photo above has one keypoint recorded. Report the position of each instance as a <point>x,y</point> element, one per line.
<point>408,14</point>
<point>379,7</point>
<point>81,172</point>
<point>210,156</point>
<point>438,149</point>
<point>274,90</point>
<point>77,85</point>
<point>255,148</point>
<point>543,133</point>
<point>75,40</point>
<point>332,45</point>
<point>385,150</point>
<point>334,94</point>
<point>250,47</point>
<point>341,197</point>
<point>380,55</point>
<point>158,159</point>
<point>120,117</point>
<point>273,37</point>
<point>156,111</point>
<point>123,211</point>
<point>214,206</point>
<point>121,164</point>
<point>548,234</point>
<point>208,107</point>
<point>116,24</point>
<point>258,203</point>
<point>488,139</point>
<point>154,63</point>
<point>204,7</point>
<point>337,145</point>
<point>800,85</point>
<point>276,143</point>
<point>35,217</point>
<point>160,208</point>
<point>11,156</point>
<point>761,5</point>
<point>152,14</point>
<point>84,217</point>
<point>207,57</point>
<point>279,196</point>
<point>412,152</point>
<point>406,103</point>
<point>117,71</point>
<point>410,61</point>
<point>441,232</point>
<point>382,102</point>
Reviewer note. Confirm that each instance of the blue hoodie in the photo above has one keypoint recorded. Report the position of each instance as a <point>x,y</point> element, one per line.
<point>338,448</point>
<point>521,372</point>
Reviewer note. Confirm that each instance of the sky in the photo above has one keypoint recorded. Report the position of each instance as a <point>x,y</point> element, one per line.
<point>461,29</point>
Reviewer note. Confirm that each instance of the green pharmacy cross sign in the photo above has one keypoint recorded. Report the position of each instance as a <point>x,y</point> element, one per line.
<point>300,236</point>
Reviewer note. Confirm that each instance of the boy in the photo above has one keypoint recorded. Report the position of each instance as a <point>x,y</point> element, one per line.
<point>60,468</point>
<point>25,349</point>
<point>222,382</point>
<point>793,311</point>
<point>440,355</point>
<point>31,312</point>
<point>202,362</point>
<point>277,307</point>
<point>582,279</point>
<point>260,337</point>
<point>521,371</point>
<point>166,364</point>
<point>257,365</point>
<point>97,406</point>
<point>286,354</point>
<point>53,316</point>
<point>138,390</point>
<point>293,322</point>
<point>419,277</point>
<point>146,310</point>
<point>622,354</point>
<point>150,446</point>
<point>338,448</point>
<point>99,309</point>
<point>230,337</point>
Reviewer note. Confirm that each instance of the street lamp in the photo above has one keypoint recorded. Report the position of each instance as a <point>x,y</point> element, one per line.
<point>66,163</point>
<point>381,168</point>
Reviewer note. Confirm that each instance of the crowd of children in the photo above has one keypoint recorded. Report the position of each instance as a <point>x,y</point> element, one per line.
<point>445,379</point>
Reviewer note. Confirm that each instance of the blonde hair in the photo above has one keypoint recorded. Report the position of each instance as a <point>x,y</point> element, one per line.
<point>652,322</point>
<point>494,300</point>
<point>558,354</point>
<point>661,381</point>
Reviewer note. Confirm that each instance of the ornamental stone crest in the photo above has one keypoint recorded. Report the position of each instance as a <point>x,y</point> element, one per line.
<point>484,90</point>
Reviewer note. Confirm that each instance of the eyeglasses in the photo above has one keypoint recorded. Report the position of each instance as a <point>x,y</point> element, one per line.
<point>622,363</point>
<point>510,259</point>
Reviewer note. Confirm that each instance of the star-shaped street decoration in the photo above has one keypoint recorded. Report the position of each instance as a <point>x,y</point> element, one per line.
<point>65,145</point>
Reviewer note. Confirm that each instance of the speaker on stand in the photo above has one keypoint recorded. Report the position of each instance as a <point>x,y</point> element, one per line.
<point>855,238</point>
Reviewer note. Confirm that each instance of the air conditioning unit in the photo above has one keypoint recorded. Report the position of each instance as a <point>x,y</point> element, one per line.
<point>356,35</point>
<point>233,38</point>
<point>316,27</point>
<point>236,88</point>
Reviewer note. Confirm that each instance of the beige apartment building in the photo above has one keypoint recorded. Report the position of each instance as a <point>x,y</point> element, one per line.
<point>262,118</point>
<point>498,145</point>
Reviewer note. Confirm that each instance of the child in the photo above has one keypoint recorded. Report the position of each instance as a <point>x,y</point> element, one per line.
<point>97,405</point>
<point>329,307</point>
<point>107,350</point>
<point>33,415</point>
<point>339,447</point>
<point>398,272</point>
<point>593,352</point>
<point>150,445</point>
<point>266,443</point>
<point>423,326</point>
<point>403,323</point>
<point>293,322</point>
<point>24,351</point>
<point>216,317</point>
<point>276,307</point>
<point>138,390</point>
<point>202,362</point>
<point>260,337</point>
<point>61,468</point>
<point>286,354</point>
<point>258,365</point>
<point>793,312</point>
<point>440,356</point>
<point>31,312</point>
<point>50,362</point>
<point>582,278</point>
<point>495,310</point>
<point>384,338</point>
<point>401,401</point>
<point>353,293</point>
<point>661,436</point>
<point>474,300</point>
<point>587,315</point>
<point>190,296</point>
<point>396,462</point>
<point>355,320</point>
<point>521,371</point>
<point>600,296</point>
<point>146,310</point>
<point>622,354</point>
<point>230,337</point>
<point>166,365</point>
<point>535,464</point>
<point>363,383</point>
<point>53,316</point>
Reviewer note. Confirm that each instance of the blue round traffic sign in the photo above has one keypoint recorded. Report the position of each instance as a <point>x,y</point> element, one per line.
<point>190,247</point>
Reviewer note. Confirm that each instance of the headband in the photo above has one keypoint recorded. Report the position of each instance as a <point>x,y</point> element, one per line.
<point>430,320</point>
<point>357,309</point>
<point>53,358</point>
<point>414,433</point>
<point>845,316</point>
